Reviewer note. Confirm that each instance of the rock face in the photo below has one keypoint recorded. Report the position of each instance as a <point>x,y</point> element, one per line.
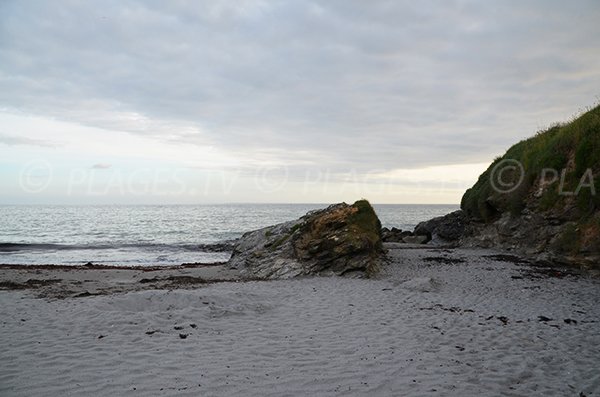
<point>337,240</point>
<point>530,234</point>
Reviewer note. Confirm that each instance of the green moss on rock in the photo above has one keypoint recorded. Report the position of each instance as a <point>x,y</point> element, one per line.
<point>339,239</point>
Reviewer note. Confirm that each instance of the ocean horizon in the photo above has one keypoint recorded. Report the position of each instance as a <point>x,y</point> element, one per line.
<point>156,235</point>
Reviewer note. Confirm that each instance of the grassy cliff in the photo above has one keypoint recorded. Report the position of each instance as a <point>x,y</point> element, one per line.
<point>555,163</point>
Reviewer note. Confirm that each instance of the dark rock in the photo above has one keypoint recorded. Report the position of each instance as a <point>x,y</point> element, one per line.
<point>394,235</point>
<point>337,240</point>
<point>386,234</point>
<point>444,229</point>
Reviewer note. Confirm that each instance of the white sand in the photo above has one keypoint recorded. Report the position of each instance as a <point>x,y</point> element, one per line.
<point>424,328</point>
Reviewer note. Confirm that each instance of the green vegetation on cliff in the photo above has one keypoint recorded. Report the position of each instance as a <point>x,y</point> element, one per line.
<point>573,147</point>
<point>560,178</point>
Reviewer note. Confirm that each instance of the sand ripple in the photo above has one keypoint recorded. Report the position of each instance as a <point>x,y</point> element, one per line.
<point>467,329</point>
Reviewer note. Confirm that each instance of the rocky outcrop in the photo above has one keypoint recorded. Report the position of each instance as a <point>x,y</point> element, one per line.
<point>530,234</point>
<point>395,235</point>
<point>337,240</point>
<point>448,229</point>
<point>541,199</point>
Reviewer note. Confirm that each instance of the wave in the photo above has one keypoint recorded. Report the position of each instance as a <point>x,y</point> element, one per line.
<point>224,246</point>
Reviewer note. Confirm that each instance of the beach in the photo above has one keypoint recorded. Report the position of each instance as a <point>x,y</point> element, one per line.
<point>434,322</point>
<point>299,198</point>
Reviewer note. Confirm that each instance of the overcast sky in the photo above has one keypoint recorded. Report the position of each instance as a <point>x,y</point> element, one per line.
<point>280,101</point>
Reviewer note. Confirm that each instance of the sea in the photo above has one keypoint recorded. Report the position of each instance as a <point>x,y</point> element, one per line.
<point>155,235</point>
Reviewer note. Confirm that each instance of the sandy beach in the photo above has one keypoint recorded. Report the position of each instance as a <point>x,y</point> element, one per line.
<point>299,198</point>
<point>435,322</point>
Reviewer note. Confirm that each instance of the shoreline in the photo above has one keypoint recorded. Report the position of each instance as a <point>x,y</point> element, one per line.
<point>100,266</point>
<point>56,281</point>
<point>64,281</point>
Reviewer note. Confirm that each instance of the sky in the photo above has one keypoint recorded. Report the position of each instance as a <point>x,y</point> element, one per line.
<point>185,102</point>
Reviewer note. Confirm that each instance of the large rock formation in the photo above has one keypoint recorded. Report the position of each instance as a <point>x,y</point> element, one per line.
<point>541,199</point>
<point>337,240</point>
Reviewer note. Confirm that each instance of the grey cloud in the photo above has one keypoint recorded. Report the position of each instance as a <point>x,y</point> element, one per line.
<point>356,85</point>
<point>101,166</point>
<point>11,140</point>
